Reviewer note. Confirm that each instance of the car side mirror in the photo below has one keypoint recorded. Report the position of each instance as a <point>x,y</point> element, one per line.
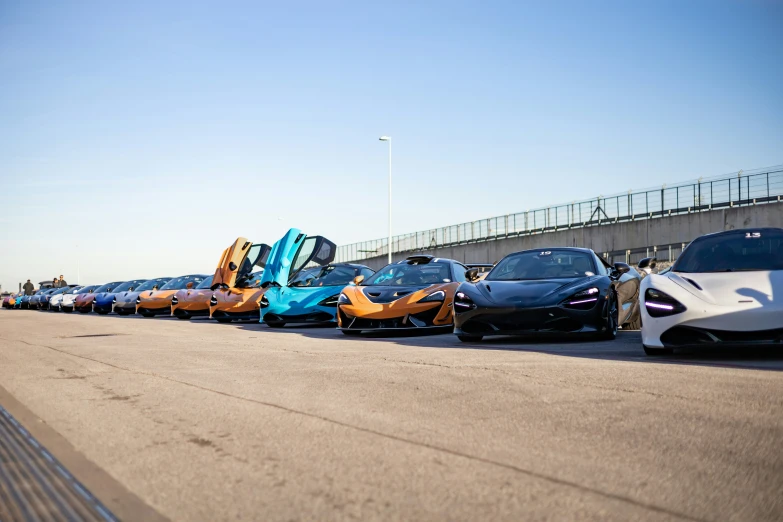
<point>621,268</point>
<point>471,274</point>
<point>648,262</point>
<point>155,287</point>
<point>232,266</point>
<point>358,279</point>
<point>189,285</point>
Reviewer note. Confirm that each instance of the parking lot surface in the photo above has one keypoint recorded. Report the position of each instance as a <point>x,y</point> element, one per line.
<point>208,421</point>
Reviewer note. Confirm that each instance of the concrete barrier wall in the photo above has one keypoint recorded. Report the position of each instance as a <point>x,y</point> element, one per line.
<point>681,228</point>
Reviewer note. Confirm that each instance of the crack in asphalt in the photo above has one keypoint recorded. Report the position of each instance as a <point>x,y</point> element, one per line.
<point>475,458</point>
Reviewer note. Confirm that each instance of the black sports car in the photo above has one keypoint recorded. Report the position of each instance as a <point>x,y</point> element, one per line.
<point>553,290</point>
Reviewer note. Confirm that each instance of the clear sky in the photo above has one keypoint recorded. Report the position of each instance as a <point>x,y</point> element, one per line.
<point>151,134</point>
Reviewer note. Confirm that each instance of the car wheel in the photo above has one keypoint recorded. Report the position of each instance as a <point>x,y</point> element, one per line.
<point>275,324</point>
<point>223,319</point>
<point>658,351</point>
<point>351,333</point>
<point>470,338</point>
<point>610,321</point>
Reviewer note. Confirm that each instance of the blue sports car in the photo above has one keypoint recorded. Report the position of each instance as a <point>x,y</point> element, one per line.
<point>300,283</point>
<point>104,302</point>
<point>311,296</point>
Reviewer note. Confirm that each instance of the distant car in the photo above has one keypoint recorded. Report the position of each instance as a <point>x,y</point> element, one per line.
<point>69,298</point>
<point>83,302</point>
<point>125,302</point>
<point>24,301</point>
<point>56,302</point>
<point>44,303</point>
<point>724,289</point>
<point>35,299</point>
<point>104,302</point>
<point>549,290</point>
<point>7,301</point>
<point>106,293</point>
<point>192,302</point>
<point>158,302</point>
<point>311,295</point>
<point>413,294</point>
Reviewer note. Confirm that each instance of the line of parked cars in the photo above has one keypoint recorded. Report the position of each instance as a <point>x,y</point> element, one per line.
<point>724,289</point>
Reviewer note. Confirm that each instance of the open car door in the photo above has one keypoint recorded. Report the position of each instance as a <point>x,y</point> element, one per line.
<point>238,260</point>
<point>293,252</point>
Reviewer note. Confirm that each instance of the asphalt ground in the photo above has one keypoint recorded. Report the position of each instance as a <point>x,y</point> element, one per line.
<point>205,421</point>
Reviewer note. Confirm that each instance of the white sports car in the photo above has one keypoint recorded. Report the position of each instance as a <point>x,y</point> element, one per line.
<point>725,289</point>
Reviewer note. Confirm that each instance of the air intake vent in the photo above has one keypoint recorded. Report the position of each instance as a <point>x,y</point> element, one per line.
<point>691,281</point>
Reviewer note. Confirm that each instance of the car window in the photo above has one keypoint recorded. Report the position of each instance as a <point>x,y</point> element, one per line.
<point>404,274</point>
<point>543,264</point>
<point>459,272</point>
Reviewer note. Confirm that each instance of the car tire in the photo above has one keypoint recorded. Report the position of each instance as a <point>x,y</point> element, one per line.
<point>658,351</point>
<point>146,314</point>
<point>275,324</point>
<point>223,319</point>
<point>612,316</point>
<point>470,338</point>
<point>351,333</point>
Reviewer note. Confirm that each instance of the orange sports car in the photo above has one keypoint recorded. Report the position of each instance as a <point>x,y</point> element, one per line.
<point>158,302</point>
<point>236,289</point>
<point>192,302</point>
<point>416,293</point>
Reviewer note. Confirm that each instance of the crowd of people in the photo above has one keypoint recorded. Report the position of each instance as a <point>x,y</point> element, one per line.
<point>29,288</point>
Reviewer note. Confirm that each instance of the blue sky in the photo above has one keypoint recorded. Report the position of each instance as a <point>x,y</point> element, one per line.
<point>151,134</point>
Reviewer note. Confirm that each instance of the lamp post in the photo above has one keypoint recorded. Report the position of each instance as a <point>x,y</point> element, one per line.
<point>388,138</point>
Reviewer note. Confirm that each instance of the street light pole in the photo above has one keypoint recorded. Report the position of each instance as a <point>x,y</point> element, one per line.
<point>388,138</point>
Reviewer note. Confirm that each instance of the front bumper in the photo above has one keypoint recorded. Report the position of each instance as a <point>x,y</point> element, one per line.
<point>318,316</point>
<point>433,317</point>
<point>527,321</point>
<point>251,315</point>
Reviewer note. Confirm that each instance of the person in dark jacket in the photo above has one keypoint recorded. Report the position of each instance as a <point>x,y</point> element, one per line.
<point>61,283</point>
<point>28,288</point>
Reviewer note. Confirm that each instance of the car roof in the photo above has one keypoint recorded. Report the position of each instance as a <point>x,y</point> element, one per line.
<point>573,249</point>
<point>736,230</point>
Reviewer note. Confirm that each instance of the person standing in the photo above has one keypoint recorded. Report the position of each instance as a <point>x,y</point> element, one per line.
<point>54,283</point>
<point>61,283</point>
<point>28,288</point>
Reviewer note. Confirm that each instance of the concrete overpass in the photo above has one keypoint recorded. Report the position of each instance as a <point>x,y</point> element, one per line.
<point>623,227</point>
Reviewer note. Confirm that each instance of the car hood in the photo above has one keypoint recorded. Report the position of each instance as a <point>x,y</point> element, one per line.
<point>731,288</point>
<point>531,293</point>
<point>194,294</point>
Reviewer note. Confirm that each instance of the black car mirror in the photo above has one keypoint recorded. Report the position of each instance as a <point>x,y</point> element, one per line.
<point>189,285</point>
<point>648,262</point>
<point>621,268</point>
<point>471,274</point>
<point>232,266</point>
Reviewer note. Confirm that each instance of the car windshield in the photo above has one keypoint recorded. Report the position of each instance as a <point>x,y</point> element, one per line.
<point>331,275</point>
<point>75,290</point>
<point>178,283</point>
<point>250,281</point>
<point>405,274</point>
<point>206,283</point>
<point>124,287</point>
<point>107,287</point>
<point>86,289</point>
<point>60,291</point>
<point>152,283</point>
<point>740,251</point>
<point>542,264</point>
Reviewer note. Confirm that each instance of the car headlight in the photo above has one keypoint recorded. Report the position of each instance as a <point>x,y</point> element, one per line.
<point>264,302</point>
<point>138,300</point>
<point>661,304</point>
<point>434,297</point>
<point>463,302</point>
<point>582,300</point>
<point>174,300</point>
<point>331,300</point>
<point>213,300</point>
<point>343,299</point>
<point>114,301</point>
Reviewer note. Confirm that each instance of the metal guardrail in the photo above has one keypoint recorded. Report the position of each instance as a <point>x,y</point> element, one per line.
<point>702,195</point>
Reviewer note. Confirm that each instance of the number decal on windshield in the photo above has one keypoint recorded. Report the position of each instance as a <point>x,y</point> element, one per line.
<point>752,235</point>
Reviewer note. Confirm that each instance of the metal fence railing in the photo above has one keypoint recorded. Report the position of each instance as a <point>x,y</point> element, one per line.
<point>745,188</point>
